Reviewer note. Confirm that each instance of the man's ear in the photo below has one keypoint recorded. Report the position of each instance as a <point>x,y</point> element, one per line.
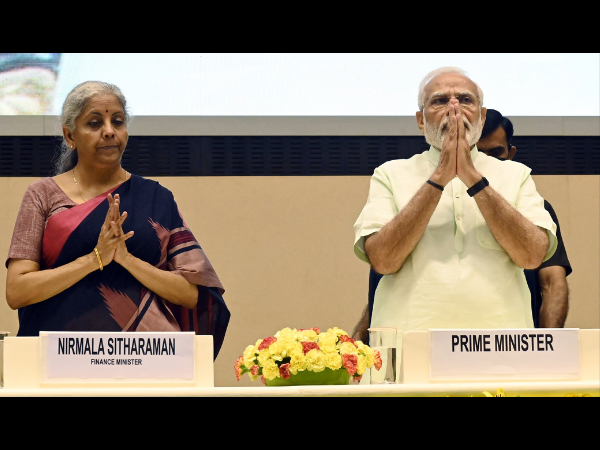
<point>512,152</point>
<point>483,116</point>
<point>420,123</point>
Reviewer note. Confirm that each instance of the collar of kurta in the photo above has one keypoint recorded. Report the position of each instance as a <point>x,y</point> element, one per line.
<point>434,154</point>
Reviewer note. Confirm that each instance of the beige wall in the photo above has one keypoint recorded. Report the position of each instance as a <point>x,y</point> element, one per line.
<point>282,247</point>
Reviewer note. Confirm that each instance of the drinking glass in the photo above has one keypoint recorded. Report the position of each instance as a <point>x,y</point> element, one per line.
<point>3,334</point>
<point>384,340</point>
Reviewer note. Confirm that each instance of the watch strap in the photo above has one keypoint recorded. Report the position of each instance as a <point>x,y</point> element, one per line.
<point>435,185</point>
<point>481,184</point>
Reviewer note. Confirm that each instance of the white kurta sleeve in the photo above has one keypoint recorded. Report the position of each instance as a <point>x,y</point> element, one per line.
<point>379,210</point>
<point>531,205</point>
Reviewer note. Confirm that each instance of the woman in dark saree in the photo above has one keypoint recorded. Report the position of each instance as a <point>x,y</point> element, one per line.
<point>98,249</point>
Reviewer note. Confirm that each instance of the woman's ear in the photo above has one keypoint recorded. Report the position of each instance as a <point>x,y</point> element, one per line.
<point>69,138</point>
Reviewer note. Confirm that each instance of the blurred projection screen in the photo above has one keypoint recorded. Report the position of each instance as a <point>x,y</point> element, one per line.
<point>229,84</point>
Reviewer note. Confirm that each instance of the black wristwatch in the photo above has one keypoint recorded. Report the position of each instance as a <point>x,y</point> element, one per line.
<point>478,187</point>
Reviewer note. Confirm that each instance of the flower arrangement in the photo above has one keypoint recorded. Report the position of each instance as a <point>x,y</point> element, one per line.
<point>291,351</point>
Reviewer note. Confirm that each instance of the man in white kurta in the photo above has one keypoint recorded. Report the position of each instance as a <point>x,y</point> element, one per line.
<point>458,274</point>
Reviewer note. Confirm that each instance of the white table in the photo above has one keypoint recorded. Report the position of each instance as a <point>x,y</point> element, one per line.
<point>511,389</point>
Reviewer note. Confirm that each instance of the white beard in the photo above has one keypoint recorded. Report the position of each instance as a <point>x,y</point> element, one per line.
<point>435,136</point>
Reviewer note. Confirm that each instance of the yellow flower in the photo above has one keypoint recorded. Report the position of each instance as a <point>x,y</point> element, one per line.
<point>361,365</point>
<point>287,334</point>
<point>254,377</point>
<point>278,350</point>
<point>499,393</point>
<point>264,357</point>
<point>270,370</point>
<point>250,355</point>
<point>315,361</point>
<point>367,352</point>
<point>250,351</point>
<point>333,360</point>
<point>349,348</point>
<point>327,343</point>
<point>294,347</point>
<point>308,335</point>
<point>297,362</point>
<point>337,331</point>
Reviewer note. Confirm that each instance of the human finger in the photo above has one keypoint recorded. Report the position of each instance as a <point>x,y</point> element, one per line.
<point>452,126</point>
<point>109,212</point>
<point>117,240</point>
<point>122,218</point>
<point>127,235</point>
<point>117,228</point>
<point>117,206</point>
<point>118,225</point>
<point>452,119</point>
<point>461,131</point>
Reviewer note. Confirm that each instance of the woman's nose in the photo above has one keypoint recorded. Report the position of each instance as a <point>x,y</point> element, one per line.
<point>109,132</point>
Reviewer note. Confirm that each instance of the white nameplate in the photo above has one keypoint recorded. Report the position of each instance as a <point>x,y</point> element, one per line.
<point>99,356</point>
<point>508,354</point>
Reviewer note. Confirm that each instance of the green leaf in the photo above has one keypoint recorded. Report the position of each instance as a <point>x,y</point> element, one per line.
<point>285,360</point>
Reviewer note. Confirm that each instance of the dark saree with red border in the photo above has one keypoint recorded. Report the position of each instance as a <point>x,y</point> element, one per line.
<point>112,299</point>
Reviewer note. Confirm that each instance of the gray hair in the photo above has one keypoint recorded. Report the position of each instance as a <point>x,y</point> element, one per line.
<point>435,73</point>
<point>72,108</point>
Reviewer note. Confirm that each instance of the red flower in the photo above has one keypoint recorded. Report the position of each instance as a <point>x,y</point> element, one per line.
<point>346,338</point>
<point>238,368</point>
<point>316,330</point>
<point>262,378</point>
<point>350,363</point>
<point>254,369</point>
<point>377,362</point>
<point>308,346</point>
<point>284,370</point>
<point>356,379</point>
<point>266,342</point>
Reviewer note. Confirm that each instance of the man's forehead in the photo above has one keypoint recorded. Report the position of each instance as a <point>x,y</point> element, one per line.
<point>448,81</point>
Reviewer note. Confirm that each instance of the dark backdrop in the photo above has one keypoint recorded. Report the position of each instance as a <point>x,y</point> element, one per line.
<point>25,156</point>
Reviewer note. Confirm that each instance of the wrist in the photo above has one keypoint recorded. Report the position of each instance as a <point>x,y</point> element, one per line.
<point>471,178</point>
<point>126,260</point>
<point>91,262</point>
<point>438,178</point>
